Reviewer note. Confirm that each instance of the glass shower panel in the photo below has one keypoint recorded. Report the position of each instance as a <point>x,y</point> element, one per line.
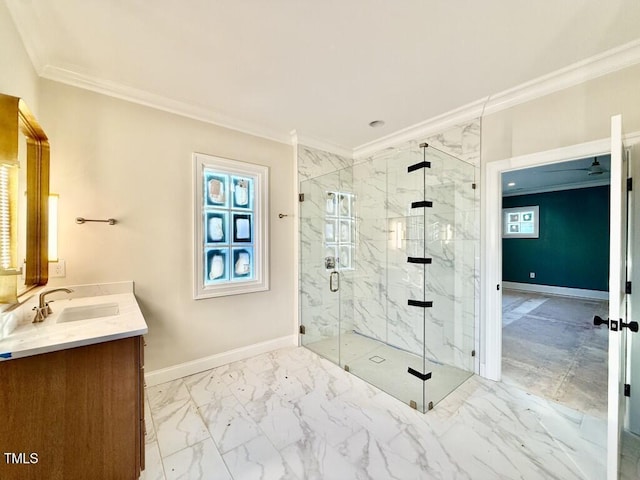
<point>381,281</point>
<point>327,252</point>
<point>449,279</point>
<point>406,280</point>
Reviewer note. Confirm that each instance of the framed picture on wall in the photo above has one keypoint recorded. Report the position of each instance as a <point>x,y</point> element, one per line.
<point>230,227</point>
<point>521,222</point>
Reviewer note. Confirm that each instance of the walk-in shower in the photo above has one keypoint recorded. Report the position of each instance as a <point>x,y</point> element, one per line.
<point>387,271</point>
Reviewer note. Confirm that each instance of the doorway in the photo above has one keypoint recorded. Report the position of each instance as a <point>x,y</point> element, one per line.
<point>491,243</point>
<point>555,260</point>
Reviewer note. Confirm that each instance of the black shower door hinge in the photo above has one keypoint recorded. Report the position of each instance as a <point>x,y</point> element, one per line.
<point>418,166</point>
<point>422,376</point>
<point>627,390</point>
<point>627,288</point>
<point>302,330</point>
<point>301,197</point>
<point>629,184</point>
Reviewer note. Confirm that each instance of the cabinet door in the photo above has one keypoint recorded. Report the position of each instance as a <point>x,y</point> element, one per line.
<point>72,414</point>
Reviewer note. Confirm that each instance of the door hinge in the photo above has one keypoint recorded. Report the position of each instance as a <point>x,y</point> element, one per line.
<point>422,376</point>
<point>627,288</point>
<point>301,197</point>
<point>473,353</point>
<point>627,390</point>
<point>473,186</point>
<point>629,184</point>
<point>302,330</point>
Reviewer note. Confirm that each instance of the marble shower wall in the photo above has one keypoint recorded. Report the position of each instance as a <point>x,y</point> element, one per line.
<point>322,312</point>
<point>374,294</point>
<point>313,163</point>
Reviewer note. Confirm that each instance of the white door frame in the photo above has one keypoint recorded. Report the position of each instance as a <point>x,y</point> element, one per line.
<point>491,241</point>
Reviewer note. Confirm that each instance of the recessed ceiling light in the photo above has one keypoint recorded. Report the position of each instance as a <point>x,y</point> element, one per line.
<point>376,123</point>
<point>511,184</point>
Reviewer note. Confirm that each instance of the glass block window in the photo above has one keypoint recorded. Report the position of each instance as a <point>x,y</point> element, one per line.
<point>230,227</point>
<point>339,228</point>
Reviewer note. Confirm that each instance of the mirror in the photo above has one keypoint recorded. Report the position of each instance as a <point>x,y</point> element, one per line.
<point>24,192</point>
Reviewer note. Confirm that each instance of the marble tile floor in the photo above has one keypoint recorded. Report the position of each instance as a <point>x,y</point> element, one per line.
<point>291,414</point>
<point>386,367</point>
<point>550,348</point>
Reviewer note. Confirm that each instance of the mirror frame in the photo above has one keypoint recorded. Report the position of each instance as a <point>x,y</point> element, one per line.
<point>15,116</point>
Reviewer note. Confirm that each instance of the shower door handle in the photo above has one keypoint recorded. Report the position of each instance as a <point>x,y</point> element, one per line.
<point>334,281</point>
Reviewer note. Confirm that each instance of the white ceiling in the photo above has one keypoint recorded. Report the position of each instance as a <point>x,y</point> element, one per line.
<point>324,68</point>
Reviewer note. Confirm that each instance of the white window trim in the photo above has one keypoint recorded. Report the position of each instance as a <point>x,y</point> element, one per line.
<point>260,280</point>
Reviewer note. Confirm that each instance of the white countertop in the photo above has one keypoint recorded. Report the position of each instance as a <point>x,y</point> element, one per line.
<point>48,336</point>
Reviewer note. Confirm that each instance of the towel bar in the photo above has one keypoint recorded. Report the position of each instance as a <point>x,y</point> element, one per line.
<point>110,221</point>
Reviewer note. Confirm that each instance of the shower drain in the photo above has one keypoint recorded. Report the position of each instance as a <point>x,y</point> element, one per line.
<point>377,359</point>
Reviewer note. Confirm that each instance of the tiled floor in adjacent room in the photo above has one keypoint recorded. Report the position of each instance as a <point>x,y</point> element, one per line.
<point>290,414</point>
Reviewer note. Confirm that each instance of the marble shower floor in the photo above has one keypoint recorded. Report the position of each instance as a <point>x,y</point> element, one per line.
<point>551,349</point>
<point>290,414</point>
<point>386,367</point>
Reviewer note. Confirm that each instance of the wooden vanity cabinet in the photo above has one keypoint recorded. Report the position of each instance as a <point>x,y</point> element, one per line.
<point>74,414</point>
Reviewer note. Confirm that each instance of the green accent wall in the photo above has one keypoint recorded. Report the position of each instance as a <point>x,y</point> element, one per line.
<point>573,247</point>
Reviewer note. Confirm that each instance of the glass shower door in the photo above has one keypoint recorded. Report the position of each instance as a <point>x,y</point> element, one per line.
<point>326,257</point>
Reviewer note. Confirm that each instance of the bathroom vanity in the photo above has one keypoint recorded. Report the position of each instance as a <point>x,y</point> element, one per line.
<point>71,390</point>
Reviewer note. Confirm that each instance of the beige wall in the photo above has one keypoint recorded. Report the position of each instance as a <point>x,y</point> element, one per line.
<point>568,117</point>
<point>111,158</point>
<point>17,75</point>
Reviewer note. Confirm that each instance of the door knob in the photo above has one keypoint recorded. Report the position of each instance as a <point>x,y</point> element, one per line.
<point>600,321</point>
<point>633,326</point>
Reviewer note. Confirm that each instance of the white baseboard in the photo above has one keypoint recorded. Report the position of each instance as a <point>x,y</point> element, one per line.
<point>168,374</point>
<point>562,291</point>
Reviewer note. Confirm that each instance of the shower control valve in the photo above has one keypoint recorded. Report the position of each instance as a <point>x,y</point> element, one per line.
<point>330,263</point>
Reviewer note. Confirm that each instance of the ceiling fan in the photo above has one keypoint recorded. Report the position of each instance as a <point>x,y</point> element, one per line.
<point>594,169</point>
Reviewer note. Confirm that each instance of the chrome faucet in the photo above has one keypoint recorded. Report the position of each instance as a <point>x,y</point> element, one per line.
<point>43,309</point>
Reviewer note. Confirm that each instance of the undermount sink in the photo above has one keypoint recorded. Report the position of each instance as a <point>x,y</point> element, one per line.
<point>86,312</point>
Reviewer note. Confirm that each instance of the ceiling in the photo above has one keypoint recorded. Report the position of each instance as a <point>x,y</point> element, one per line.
<point>558,176</point>
<point>322,68</point>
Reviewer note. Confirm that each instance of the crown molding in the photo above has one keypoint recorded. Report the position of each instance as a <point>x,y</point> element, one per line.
<point>297,139</point>
<point>159,102</point>
<point>607,62</point>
